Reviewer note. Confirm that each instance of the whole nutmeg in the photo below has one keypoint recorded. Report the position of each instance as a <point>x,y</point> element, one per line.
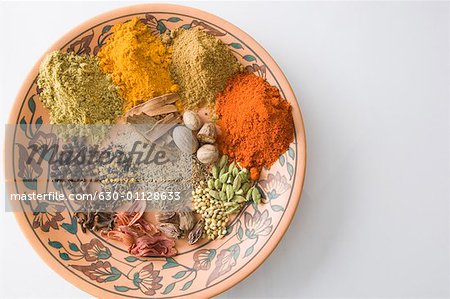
<point>207,153</point>
<point>192,120</point>
<point>185,140</point>
<point>207,133</point>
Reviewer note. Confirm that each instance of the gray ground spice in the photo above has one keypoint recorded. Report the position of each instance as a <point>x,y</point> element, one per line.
<point>199,172</point>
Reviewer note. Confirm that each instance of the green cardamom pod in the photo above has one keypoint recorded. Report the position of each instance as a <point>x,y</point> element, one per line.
<point>244,176</point>
<point>248,196</point>
<point>224,177</point>
<point>229,204</point>
<point>217,184</point>
<point>222,171</point>
<point>215,172</point>
<point>230,178</point>
<point>214,194</point>
<point>222,195</point>
<point>224,187</point>
<point>237,183</point>
<point>211,184</point>
<point>230,192</point>
<point>245,187</point>
<point>239,192</point>
<point>239,199</point>
<point>231,167</point>
<point>256,195</point>
<point>223,161</point>
<point>244,173</point>
<point>233,210</point>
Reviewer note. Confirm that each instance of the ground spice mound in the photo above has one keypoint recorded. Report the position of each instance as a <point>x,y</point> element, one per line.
<point>256,122</point>
<point>76,91</point>
<point>138,62</point>
<point>201,65</point>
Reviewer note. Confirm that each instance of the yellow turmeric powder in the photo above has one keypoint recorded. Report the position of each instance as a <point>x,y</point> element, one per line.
<point>138,62</point>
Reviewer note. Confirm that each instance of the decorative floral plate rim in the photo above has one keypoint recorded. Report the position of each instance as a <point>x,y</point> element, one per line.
<point>260,220</point>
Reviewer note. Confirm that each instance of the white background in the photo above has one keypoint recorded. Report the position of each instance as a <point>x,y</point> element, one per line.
<point>372,80</point>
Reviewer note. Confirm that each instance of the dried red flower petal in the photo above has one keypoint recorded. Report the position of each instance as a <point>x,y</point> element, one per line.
<point>153,246</point>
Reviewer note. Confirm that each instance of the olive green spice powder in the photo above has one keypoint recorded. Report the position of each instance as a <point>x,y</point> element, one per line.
<point>76,91</point>
<point>201,65</point>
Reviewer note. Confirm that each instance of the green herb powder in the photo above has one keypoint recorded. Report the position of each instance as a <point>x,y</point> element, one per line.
<point>76,91</point>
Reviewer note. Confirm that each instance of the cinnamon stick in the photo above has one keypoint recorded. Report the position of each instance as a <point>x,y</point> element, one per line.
<point>160,105</point>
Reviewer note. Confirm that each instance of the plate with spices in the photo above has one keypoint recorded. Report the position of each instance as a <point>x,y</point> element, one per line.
<point>157,151</point>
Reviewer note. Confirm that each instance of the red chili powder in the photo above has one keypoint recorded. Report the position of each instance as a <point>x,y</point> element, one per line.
<point>256,122</point>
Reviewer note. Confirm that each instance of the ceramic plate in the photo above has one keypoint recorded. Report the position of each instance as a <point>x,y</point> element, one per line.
<point>104,268</point>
